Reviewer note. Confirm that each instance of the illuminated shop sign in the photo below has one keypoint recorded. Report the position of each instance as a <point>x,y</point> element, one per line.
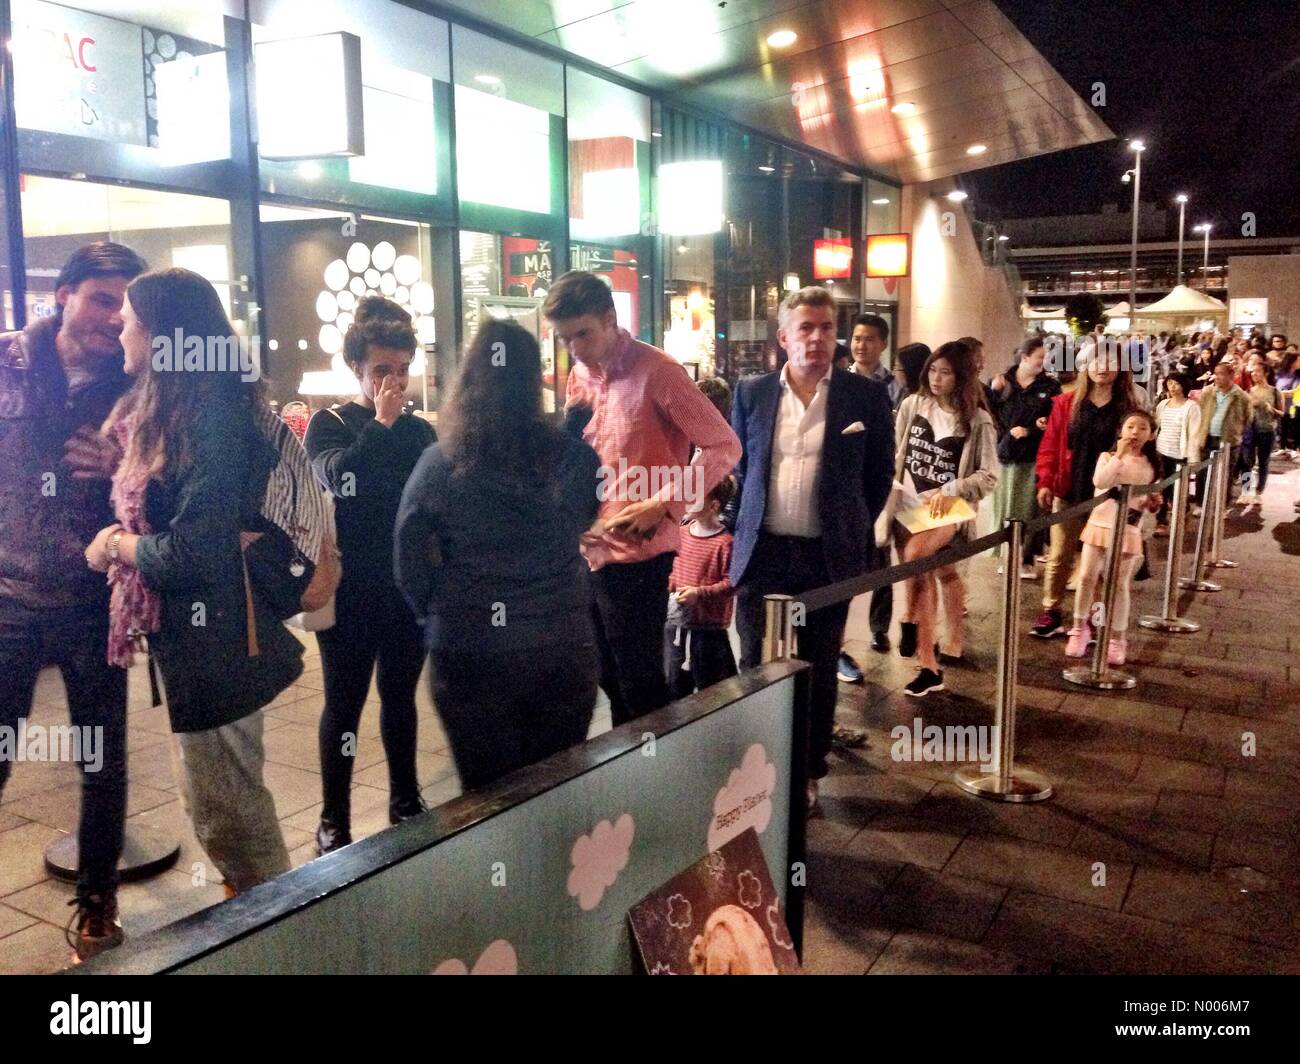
<point>832,259</point>
<point>888,255</point>
<point>78,74</point>
<point>309,102</point>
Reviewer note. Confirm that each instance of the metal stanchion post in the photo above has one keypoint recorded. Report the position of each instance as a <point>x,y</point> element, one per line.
<point>778,628</point>
<point>1007,783</point>
<point>1099,675</point>
<point>1169,621</point>
<point>1197,582</point>
<point>1217,560</point>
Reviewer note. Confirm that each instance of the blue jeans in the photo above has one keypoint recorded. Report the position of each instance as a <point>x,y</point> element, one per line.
<point>76,640</point>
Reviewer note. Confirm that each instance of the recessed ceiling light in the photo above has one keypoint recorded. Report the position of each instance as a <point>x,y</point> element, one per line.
<point>767,169</point>
<point>1004,237</point>
<point>310,170</point>
<point>904,108</point>
<point>882,202</point>
<point>782,38</point>
<point>977,149</point>
<point>956,196</point>
<point>487,79</point>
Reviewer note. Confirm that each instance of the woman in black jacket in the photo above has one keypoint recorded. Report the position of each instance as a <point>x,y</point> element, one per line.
<point>193,472</point>
<point>487,552</point>
<point>363,452</point>
<point>1022,400</point>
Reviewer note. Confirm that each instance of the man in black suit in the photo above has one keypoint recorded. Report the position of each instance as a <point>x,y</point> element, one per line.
<point>816,470</point>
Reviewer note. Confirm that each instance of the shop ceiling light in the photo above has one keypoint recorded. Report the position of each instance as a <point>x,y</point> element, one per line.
<point>888,255</point>
<point>881,201</point>
<point>690,197</point>
<point>767,169</point>
<point>782,38</point>
<point>957,195</point>
<point>832,258</point>
<point>977,149</point>
<point>487,79</point>
<point>792,282</point>
<point>309,97</point>
<point>905,107</point>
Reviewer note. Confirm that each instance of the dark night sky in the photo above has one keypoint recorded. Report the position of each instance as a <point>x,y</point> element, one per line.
<point>1212,86</point>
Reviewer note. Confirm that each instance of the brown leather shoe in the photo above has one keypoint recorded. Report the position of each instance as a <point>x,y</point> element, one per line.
<point>94,927</point>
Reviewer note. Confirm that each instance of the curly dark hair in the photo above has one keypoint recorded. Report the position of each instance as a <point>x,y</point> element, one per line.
<point>494,423</point>
<point>380,322</point>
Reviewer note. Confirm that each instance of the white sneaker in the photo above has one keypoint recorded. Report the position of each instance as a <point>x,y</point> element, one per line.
<point>1028,572</point>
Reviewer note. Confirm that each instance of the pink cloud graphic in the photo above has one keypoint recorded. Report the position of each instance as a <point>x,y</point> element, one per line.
<point>498,958</point>
<point>598,859</point>
<point>746,800</point>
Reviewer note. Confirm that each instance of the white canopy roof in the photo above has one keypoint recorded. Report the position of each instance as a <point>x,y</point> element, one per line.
<point>1183,302</point>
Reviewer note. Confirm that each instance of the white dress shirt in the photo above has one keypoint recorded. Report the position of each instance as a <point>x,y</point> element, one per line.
<point>796,461</point>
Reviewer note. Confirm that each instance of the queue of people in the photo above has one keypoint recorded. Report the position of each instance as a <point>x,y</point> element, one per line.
<point>523,557</point>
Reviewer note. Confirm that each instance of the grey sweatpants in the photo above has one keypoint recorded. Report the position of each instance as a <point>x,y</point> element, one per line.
<point>220,778</point>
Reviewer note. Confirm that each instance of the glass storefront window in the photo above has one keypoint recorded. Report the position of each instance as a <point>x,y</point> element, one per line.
<point>404,68</point>
<point>317,265</point>
<point>149,76</point>
<point>508,277</point>
<point>509,103</point>
<point>167,228</point>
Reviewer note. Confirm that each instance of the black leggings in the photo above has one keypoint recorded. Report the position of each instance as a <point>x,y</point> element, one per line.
<point>379,630</point>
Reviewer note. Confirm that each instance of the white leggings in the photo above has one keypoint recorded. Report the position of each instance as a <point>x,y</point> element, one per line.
<point>1090,565</point>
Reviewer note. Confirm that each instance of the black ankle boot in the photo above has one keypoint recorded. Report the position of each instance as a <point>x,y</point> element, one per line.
<point>331,836</point>
<point>400,809</point>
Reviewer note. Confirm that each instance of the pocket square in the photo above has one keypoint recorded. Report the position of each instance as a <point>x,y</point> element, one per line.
<point>857,426</point>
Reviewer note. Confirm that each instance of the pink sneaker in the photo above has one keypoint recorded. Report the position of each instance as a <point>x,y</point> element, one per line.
<point>1076,643</point>
<point>1117,651</point>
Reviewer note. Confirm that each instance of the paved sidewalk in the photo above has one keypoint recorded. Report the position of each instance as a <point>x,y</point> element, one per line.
<point>1196,840</point>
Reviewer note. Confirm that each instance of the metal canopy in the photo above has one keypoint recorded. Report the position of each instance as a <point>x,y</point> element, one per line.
<point>970,75</point>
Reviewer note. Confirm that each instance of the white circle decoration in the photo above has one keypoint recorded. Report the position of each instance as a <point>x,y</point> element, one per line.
<point>331,340</point>
<point>372,278</point>
<point>425,330</point>
<point>358,257</point>
<point>418,364</point>
<point>406,269</point>
<point>357,286</point>
<point>327,307</point>
<point>343,321</point>
<point>336,274</point>
<point>166,45</point>
<point>347,301</point>
<point>383,255</point>
<point>422,297</point>
<point>402,295</point>
<point>387,284</point>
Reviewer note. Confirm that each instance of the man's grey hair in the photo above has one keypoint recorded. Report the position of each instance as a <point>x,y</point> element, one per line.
<point>812,296</point>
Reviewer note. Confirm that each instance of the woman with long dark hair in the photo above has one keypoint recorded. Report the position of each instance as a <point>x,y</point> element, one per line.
<point>194,471</point>
<point>363,452</point>
<point>946,450</point>
<point>1083,424</point>
<point>487,554</point>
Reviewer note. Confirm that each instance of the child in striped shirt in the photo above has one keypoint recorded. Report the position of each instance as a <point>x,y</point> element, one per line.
<point>701,600</point>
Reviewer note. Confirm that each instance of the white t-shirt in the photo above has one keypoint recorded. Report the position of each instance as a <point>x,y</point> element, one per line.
<point>1169,441</point>
<point>934,444</point>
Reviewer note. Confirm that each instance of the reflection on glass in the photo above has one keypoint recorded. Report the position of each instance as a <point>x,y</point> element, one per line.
<point>167,228</point>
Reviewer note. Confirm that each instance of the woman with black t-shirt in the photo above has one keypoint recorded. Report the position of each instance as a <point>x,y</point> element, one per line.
<point>363,451</point>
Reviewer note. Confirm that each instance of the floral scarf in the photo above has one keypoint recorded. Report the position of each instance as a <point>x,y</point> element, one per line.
<point>134,610</point>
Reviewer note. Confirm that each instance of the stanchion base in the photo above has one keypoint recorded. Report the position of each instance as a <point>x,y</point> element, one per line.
<point>1199,585</point>
<point>145,852</point>
<point>1167,624</point>
<point>1024,785</point>
<point>1223,563</point>
<point>1109,680</point>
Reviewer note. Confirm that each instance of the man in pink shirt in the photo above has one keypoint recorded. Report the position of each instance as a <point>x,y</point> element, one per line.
<point>646,417</point>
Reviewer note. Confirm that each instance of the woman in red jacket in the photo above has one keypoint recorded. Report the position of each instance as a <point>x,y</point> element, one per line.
<point>1083,423</point>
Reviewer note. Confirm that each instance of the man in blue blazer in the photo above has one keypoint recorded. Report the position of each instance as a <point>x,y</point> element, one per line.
<point>815,473</point>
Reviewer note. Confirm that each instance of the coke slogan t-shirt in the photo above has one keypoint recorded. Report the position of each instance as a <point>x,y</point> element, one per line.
<point>934,444</point>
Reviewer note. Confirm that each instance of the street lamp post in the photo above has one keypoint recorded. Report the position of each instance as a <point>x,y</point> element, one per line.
<point>1204,227</point>
<point>1181,200</point>
<point>1137,147</point>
